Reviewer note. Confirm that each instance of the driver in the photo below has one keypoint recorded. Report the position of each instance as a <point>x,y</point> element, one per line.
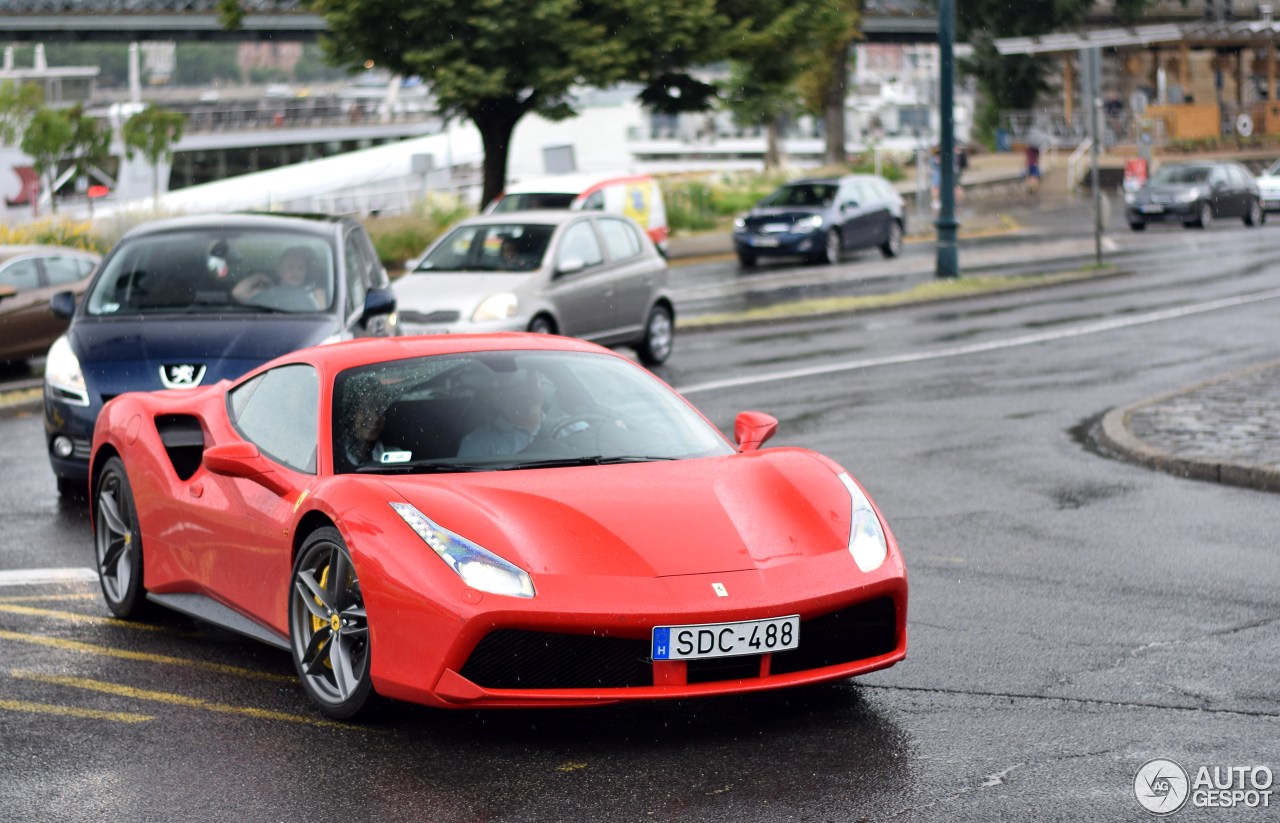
<point>519,419</point>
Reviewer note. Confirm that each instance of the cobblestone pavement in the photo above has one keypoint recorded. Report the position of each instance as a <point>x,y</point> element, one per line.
<point>1226,430</point>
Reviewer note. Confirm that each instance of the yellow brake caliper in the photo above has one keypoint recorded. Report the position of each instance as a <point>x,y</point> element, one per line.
<point>316,623</point>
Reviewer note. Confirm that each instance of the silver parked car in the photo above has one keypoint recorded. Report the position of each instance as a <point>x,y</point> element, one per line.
<point>581,274</point>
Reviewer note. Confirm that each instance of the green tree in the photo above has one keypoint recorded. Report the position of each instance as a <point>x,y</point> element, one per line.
<point>48,138</point>
<point>90,146</point>
<point>18,102</point>
<point>153,133</point>
<point>824,82</point>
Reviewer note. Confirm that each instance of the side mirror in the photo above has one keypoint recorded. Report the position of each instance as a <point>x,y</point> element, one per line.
<point>245,461</point>
<point>63,304</point>
<point>378,302</point>
<point>752,429</point>
<point>7,291</point>
<point>849,204</point>
<point>571,265</point>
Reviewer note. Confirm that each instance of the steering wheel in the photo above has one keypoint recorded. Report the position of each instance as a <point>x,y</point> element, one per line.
<point>590,418</point>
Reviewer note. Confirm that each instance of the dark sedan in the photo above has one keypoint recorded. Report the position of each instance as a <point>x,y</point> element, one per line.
<point>193,300</point>
<point>820,219</point>
<point>29,277</point>
<point>1195,194</point>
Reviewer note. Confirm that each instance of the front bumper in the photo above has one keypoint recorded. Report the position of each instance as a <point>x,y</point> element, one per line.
<point>414,327</point>
<point>778,243</point>
<point>587,641</point>
<point>1163,212</point>
<point>69,437</point>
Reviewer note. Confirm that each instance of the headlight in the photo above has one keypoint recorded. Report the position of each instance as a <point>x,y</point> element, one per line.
<point>1189,196</point>
<point>63,379</point>
<point>478,567</point>
<point>867,543</point>
<point>495,307</point>
<point>1130,197</point>
<point>811,223</point>
<point>739,223</point>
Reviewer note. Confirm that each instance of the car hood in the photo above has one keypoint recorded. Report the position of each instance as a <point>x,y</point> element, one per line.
<point>781,214</point>
<point>1171,190</point>
<point>120,356</point>
<point>422,293</point>
<point>702,516</point>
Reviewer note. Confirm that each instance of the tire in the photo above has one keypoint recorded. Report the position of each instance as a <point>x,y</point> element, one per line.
<point>893,243</point>
<point>117,542</point>
<point>659,337</point>
<point>746,260</point>
<point>1255,216</point>
<point>328,628</point>
<point>1204,218</point>
<point>72,489</point>
<point>1138,226</point>
<point>831,248</point>
<point>542,325</point>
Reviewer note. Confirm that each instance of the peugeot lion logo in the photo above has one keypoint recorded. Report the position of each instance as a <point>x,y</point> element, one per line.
<point>181,375</point>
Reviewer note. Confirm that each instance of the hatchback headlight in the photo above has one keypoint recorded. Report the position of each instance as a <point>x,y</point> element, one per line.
<point>63,379</point>
<point>478,567</point>
<point>495,307</point>
<point>1189,196</point>
<point>1130,197</point>
<point>811,223</point>
<point>867,542</point>
<point>739,223</point>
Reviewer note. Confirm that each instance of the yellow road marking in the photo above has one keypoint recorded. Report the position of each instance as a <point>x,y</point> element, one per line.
<point>170,698</point>
<point>71,711</point>
<point>146,657</point>
<point>44,598</point>
<point>76,617</point>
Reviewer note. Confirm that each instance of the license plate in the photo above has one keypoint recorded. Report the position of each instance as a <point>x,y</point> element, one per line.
<point>726,639</point>
<point>764,241</point>
<point>1152,208</point>
<point>776,228</point>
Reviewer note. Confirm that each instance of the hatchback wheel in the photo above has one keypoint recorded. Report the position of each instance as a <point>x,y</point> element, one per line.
<point>1254,216</point>
<point>328,628</point>
<point>831,247</point>
<point>542,325</point>
<point>118,541</point>
<point>1205,217</point>
<point>893,243</point>
<point>659,337</point>
<point>746,259</point>
<point>1138,226</point>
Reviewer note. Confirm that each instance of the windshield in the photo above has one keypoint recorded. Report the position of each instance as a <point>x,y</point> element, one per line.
<point>490,247</point>
<point>1273,170</point>
<point>215,271</point>
<point>809,195</point>
<point>534,200</point>
<point>494,411</point>
<point>1180,175</point>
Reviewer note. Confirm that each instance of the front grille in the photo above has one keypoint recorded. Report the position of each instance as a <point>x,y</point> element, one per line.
<point>856,633</point>
<point>515,659</point>
<point>409,316</point>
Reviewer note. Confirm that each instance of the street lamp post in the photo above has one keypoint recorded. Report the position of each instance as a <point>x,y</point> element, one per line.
<point>948,264</point>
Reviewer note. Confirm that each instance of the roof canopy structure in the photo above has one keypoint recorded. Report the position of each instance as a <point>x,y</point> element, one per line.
<point>1205,33</point>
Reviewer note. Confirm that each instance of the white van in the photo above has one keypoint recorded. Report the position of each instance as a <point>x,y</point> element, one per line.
<point>635,195</point>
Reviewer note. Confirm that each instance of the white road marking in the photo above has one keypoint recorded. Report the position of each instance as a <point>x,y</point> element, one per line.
<point>1080,330</point>
<point>35,577</point>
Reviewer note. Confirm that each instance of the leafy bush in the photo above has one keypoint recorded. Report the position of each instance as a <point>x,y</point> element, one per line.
<point>405,236</point>
<point>56,232</point>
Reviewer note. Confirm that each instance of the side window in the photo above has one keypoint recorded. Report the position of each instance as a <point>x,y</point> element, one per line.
<point>620,238</point>
<point>358,265</point>
<point>278,412</point>
<point>1218,175</point>
<point>580,243</point>
<point>594,201</point>
<point>21,274</point>
<point>65,270</point>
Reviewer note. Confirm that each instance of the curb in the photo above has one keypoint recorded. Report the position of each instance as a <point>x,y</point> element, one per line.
<point>1116,438</point>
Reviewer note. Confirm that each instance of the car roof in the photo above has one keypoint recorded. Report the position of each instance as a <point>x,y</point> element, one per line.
<point>573,183</point>
<point>834,180</point>
<point>549,217</point>
<point>314,224</point>
<point>10,251</point>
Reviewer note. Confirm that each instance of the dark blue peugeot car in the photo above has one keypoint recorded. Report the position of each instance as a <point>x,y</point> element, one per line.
<point>189,301</point>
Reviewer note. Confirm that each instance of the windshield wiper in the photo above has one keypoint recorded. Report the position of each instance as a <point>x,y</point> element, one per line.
<point>585,460</point>
<point>420,467</point>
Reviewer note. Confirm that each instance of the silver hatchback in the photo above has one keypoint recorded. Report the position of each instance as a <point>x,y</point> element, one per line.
<point>591,275</point>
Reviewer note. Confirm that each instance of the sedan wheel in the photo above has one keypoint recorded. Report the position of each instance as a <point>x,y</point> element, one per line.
<point>893,243</point>
<point>328,629</point>
<point>1138,226</point>
<point>659,337</point>
<point>542,325</point>
<point>1254,217</point>
<point>118,542</point>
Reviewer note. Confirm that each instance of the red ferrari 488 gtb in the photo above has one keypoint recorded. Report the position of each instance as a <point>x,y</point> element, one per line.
<point>492,520</point>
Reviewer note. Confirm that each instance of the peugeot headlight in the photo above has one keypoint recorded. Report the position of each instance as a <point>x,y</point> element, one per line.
<point>63,379</point>
<point>811,223</point>
<point>478,567</point>
<point>495,307</point>
<point>1189,196</point>
<point>867,543</point>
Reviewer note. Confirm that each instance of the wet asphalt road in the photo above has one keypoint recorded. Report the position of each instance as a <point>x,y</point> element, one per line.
<point>1072,616</point>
